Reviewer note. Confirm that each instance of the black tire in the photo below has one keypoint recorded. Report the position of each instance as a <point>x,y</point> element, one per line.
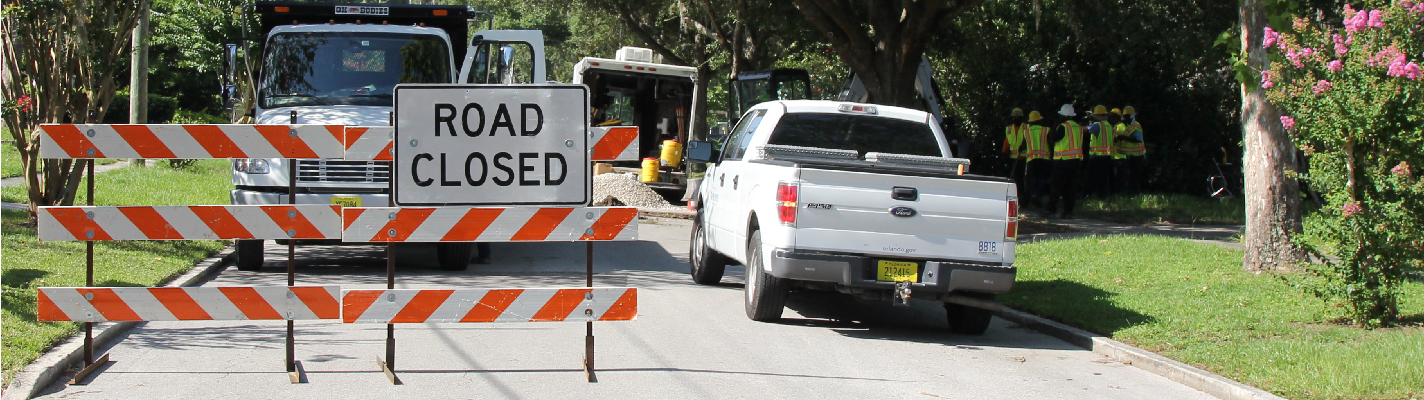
<point>483,256</point>
<point>968,320</point>
<point>765,294</point>
<point>707,265</point>
<point>249,255</point>
<point>454,256</point>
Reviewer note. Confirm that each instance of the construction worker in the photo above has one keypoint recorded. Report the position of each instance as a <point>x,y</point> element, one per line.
<point>1067,139</point>
<point>1129,143</point>
<point>1013,144</point>
<point>1119,160</point>
<point>1040,164</point>
<point>1097,179</point>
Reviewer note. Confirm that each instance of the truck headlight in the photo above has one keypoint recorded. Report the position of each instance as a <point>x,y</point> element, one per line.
<point>251,166</point>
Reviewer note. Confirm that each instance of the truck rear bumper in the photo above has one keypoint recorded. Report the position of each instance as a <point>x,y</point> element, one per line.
<point>859,272</point>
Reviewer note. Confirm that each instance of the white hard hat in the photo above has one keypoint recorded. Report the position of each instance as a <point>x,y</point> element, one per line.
<point>1067,110</point>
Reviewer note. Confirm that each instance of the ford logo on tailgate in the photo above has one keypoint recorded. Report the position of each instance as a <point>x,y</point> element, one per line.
<point>902,211</point>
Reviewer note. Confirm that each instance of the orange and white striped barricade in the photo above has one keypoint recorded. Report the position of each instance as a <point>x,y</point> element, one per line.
<point>86,223</point>
<point>396,306</point>
<point>369,143</point>
<point>614,143</point>
<point>488,224</point>
<point>236,303</point>
<point>191,141</point>
<point>220,141</point>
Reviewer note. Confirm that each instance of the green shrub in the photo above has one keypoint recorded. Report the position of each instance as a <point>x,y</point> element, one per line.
<point>1351,96</point>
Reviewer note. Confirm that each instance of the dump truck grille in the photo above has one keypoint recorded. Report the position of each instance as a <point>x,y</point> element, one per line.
<point>343,171</point>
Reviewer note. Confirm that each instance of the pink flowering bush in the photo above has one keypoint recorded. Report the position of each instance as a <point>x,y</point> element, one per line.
<point>1357,113</point>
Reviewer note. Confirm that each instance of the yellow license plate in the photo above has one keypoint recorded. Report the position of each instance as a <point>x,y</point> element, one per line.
<point>346,201</point>
<point>897,271</point>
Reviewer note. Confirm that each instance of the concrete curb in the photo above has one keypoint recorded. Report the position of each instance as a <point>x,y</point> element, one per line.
<point>666,213</point>
<point>62,359</point>
<point>1196,378</point>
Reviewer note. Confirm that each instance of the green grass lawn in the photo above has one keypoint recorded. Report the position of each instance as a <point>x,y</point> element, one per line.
<point>28,264</point>
<point>10,160</point>
<point>1193,303</point>
<point>1164,208</point>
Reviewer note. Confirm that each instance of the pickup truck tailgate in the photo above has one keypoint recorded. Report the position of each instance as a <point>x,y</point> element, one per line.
<point>954,218</point>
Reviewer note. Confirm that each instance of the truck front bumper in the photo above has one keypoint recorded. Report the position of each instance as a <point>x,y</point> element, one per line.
<point>859,272</point>
<point>253,197</point>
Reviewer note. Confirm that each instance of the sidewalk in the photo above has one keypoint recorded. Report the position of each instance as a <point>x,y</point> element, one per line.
<point>20,181</point>
<point>1221,235</point>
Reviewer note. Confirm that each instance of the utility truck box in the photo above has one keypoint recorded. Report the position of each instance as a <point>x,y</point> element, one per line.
<point>633,90</point>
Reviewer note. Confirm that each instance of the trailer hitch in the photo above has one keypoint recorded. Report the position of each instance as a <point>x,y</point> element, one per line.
<point>902,294</point>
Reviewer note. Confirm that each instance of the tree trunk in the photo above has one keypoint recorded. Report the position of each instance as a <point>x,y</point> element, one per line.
<point>699,104</point>
<point>138,75</point>
<point>883,42</point>
<point>1272,198</point>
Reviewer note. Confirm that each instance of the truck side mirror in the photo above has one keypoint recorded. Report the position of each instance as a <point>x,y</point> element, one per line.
<point>506,56</point>
<point>229,77</point>
<point>506,62</point>
<point>701,152</point>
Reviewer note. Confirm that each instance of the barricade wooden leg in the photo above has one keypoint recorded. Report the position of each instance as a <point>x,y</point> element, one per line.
<point>588,368</point>
<point>588,355</point>
<point>90,364</point>
<point>83,374</point>
<point>388,366</point>
<point>294,367</point>
<point>293,372</point>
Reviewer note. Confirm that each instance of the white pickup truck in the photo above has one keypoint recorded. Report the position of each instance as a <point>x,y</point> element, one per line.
<point>856,198</point>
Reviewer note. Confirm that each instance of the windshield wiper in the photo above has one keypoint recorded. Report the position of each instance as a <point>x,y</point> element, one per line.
<point>302,95</point>
<point>379,96</point>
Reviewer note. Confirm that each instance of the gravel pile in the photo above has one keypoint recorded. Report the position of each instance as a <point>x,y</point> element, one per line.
<point>625,190</point>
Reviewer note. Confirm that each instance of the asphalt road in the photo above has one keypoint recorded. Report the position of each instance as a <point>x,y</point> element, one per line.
<point>689,341</point>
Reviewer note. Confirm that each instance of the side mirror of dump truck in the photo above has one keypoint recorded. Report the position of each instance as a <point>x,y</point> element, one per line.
<point>229,77</point>
<point>701,151</point>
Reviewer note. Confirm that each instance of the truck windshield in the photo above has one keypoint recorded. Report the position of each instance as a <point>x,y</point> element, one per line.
<point>348,68</point>
<point>862,133</point>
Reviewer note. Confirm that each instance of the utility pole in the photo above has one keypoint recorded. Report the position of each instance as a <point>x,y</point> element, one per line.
<point>138,75</point>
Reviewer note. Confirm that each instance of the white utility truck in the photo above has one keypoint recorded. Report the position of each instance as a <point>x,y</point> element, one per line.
<point>856,198</point>
<point>338,64</point>
<point>634,90</point>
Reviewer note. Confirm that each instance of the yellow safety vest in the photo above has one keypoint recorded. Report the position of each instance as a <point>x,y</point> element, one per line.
<point>1036,141</point>
<point>1102,143</point>
<point>1071,146</point>
<point>1013,139</point>
<point>1129,148</point>
<point>1119,130</point>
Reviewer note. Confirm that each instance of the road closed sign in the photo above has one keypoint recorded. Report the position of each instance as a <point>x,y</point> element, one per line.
<point>491,145</point>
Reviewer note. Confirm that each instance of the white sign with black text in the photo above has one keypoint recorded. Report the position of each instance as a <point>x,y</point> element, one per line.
<point>491,145</point>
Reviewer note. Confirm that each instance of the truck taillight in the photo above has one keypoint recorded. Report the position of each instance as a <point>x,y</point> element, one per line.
<point>786,193</point>
<point>1011,228</point>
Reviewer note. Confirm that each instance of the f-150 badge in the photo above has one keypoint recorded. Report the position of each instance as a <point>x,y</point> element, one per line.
<point>903,211</point>
<point>821,206</point>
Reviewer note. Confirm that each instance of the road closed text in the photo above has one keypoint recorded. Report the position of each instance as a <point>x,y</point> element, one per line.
<point>473,168</point>
<point>487,145</point>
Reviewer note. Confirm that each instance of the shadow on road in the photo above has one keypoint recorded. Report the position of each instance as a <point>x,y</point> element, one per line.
<point>922,322</point>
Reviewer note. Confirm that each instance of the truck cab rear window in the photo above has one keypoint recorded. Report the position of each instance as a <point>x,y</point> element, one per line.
<point>861,133</point>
